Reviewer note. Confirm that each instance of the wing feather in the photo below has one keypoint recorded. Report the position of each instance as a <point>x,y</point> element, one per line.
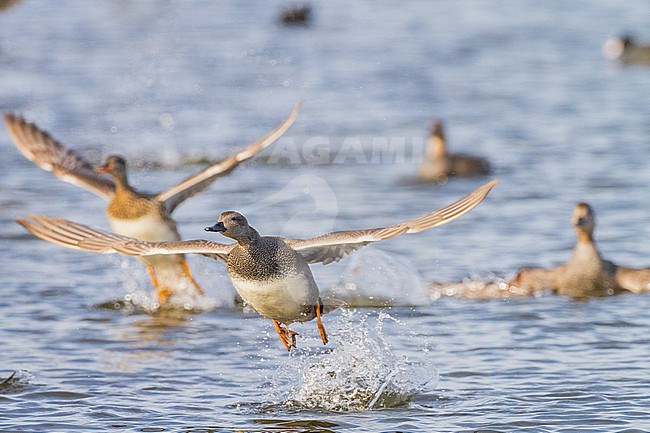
<point>43,150</point>
<point>196,183</point>
<point>634,280</point>
<point>80,237</point>
<point>332,247</point>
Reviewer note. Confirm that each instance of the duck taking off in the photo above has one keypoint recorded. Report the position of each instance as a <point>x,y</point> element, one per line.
<point>131,212</point>
<point>271,274</point>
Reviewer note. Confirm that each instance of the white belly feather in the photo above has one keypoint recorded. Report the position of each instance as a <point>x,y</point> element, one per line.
<point>288,299</point>
<point>150,228</point>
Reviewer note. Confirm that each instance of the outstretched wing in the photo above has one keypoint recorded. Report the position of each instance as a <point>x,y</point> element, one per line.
<point>80,237</point>
<point>43,150</point>
<point>332,247</point>
<point>634,280</point>
<point>196,183</point>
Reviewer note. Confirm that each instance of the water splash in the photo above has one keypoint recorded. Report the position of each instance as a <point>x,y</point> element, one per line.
<point>141,296</point>
<point>141,301</point>
<point>492,287</point>
<point>362,372</point>
<point>376,279</point>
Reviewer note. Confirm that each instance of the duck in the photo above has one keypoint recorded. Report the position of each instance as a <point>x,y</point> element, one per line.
<point>131,212</point>
<point>6,4</point>
<point>626,50</point>
<point>271,274</point>
<point>586,273</point>
<point>296,16</point>
<point>439,165</point>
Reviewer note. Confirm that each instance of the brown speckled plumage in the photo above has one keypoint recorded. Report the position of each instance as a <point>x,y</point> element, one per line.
<point>129,204</point>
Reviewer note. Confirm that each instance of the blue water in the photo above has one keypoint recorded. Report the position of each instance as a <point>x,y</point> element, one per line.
<point>165,83</point>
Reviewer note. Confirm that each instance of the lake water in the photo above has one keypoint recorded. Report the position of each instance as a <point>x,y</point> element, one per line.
<point>166,83</point>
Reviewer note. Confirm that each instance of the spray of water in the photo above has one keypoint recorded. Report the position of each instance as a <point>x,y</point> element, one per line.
<point>362,371</point>
<point>141,297</point>
<point>376,279</point>
<point>491,287</point>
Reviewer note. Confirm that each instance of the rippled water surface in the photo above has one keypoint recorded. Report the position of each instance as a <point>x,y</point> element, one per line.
<point>166,83</point>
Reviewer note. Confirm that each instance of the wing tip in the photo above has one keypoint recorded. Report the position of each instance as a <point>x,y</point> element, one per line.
<point>491,184</point>
<point>15,121</point>
<point>10,117</point>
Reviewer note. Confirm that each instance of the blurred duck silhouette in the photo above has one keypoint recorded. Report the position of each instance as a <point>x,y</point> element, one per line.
<point>130,212</point>
<point>296,16</point>
<point>586,273</point>
<point>6,4</point>
<point>626,50</point>
<point>439,164</point>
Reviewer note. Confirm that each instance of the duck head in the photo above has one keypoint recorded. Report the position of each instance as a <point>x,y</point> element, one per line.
<point>234,225</point>
<point>115,166</point>
<point>436,129</point>
<point>615,47</point>
<point>437,145</point>
<point>584,221</point>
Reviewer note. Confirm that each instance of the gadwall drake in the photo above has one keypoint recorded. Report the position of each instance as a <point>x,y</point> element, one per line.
<point>439,164</point>
<point>130,212</point>
<point>586,273</point>
<point>271,274</point>
<point>626,50</point>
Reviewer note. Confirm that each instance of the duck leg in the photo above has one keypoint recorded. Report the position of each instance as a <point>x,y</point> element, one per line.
<point>162,291</point>
<point>319,310</point>
<point>188,274</point>
<point>287,336</point>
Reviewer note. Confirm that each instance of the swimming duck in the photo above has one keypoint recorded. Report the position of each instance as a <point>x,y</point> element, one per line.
<point>6,4</point>
<point>586,273</point>
<point>439,164</point>
<point>271,274</point>
<point>626,50</point>
<point>297,15</point>
<point>130,212</point>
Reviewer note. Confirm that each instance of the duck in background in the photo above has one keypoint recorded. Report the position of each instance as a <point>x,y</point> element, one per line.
<point>6,4</point>
<point>626,50</point>
<point>130,212</point>
<point>439,164</point>
<point>586,273</point>
<point>296,16</point>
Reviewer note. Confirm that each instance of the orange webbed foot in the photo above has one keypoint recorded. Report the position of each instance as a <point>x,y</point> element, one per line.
<point>163,294</point>
<point>287,336</point>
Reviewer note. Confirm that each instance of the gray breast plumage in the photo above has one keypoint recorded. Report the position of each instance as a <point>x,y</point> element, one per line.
<point>267,258</point>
